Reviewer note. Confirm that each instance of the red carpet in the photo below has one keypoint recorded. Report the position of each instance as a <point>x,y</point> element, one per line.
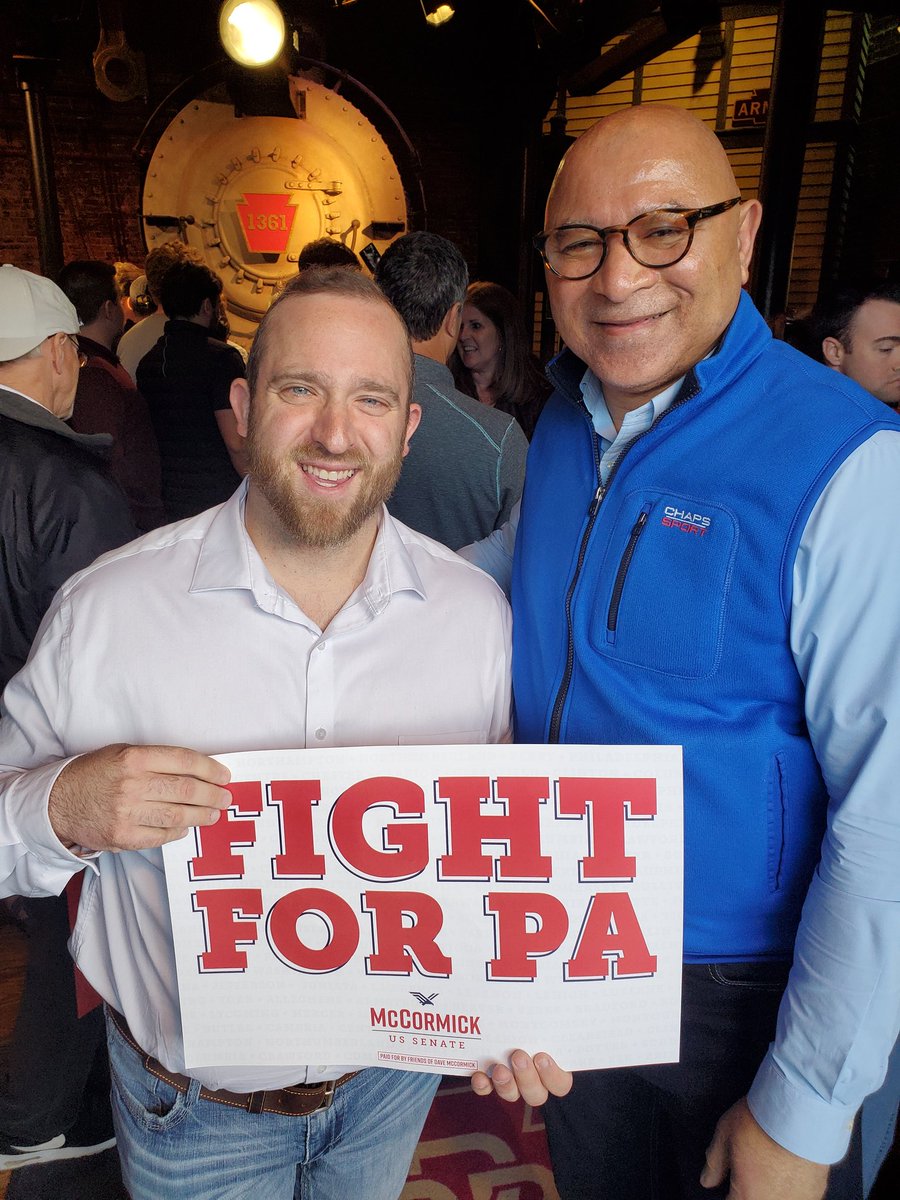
<point>475,1148</point>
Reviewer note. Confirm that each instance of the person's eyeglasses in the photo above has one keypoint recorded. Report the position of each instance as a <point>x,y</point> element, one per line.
<point>82,357</point>
<point>654,239</point>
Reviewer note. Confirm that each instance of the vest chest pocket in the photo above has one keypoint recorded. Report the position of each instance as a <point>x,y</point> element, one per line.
<point>658,592</point>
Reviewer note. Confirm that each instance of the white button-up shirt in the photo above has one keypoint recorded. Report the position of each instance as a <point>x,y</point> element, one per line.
<point>183,638</point>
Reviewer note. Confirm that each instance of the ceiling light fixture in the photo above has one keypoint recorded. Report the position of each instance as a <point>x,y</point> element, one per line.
<point>436,13</point>
<point>251,31</point>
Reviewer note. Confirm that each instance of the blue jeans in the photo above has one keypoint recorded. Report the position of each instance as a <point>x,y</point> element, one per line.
<point>185,1148</point>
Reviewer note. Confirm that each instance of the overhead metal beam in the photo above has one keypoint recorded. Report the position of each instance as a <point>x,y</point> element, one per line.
<point>649,36</point>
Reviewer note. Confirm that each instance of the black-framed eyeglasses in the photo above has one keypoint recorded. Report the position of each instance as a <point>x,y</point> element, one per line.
<point>82,357</point>
<point>659,238</point>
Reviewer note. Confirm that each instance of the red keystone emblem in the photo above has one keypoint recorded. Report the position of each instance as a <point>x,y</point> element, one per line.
<point>266,220</point>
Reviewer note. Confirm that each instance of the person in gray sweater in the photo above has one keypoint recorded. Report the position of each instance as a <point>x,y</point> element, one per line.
<point>466,463</point>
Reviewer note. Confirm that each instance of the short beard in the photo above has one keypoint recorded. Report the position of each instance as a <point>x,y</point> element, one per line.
<point>318,524</point>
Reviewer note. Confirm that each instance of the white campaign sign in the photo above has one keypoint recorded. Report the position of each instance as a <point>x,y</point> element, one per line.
<point>434,907</point>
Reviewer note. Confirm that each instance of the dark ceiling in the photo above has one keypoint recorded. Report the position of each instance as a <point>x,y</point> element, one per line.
<point>487,45</point>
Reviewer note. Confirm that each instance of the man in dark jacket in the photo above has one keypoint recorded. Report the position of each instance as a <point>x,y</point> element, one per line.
<point>107,400</point>
<point>186,380</point>
<point>60,510</point>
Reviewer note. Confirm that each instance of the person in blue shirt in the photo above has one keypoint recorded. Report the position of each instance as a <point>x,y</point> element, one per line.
<point>706,555</point>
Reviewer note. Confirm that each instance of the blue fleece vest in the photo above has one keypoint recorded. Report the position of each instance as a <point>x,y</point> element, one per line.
<point>663,616</point>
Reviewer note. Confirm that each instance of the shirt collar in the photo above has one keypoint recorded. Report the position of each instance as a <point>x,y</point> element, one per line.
<point>430,372</point>
<point>636,421</point>
<point>97,349</point>
<point>229,559</point>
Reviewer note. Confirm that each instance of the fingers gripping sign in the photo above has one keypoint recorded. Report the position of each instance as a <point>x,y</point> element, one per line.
<point>136,797</point>
<point>532,1079</point>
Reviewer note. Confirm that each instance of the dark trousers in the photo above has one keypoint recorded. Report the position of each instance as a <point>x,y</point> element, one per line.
<point>641,1133</point>
<point>56,1062</point>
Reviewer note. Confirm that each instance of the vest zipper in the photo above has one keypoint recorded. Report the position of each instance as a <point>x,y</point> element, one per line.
<point>688,391</point>
<point>596,501</point>
<point>612,619</point>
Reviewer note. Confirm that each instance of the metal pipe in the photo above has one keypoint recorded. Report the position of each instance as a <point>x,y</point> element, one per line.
<point>46,207</point>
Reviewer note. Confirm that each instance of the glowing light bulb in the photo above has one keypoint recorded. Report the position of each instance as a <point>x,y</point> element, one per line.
<point>438,14</point>
<point>251,31</point>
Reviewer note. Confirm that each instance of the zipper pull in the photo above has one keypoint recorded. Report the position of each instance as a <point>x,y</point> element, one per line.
<point>595,503</point>
<point>639,524</point>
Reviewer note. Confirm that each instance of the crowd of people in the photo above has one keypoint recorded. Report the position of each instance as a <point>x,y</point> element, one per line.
<point>697,556</point>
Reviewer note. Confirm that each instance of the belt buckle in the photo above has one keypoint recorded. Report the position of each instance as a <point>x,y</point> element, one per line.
<point>328,1097</point>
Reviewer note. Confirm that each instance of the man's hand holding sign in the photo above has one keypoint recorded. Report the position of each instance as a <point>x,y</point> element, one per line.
<point>136,797</point>
<point>431,907</point>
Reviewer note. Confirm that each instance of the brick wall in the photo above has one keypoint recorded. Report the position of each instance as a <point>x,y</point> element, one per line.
<point>98,177</point>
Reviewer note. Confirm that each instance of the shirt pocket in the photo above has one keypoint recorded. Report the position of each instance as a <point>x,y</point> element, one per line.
<point>661,590</point>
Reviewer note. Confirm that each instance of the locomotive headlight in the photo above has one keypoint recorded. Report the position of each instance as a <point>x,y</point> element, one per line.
<point>251,31</point>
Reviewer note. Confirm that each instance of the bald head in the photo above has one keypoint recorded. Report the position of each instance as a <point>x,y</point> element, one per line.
<point>641,328</point>
<point>653,142</point>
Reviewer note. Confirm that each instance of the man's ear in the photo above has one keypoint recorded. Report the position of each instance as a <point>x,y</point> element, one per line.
<point>751,217</point>
<point>57,347</point>
<point>833,352</point>
<point>412,424</point>
<point>239,398</point>
<point>453,321</point>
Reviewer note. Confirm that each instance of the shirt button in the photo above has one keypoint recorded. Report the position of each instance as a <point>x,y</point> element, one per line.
<point>321,646</point>
<point>320,734</point>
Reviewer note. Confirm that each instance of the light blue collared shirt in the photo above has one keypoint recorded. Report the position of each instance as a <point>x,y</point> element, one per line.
<point>841,1011</point>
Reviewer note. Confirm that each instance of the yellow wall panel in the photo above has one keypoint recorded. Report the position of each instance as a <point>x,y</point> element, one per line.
<point>670,78</point>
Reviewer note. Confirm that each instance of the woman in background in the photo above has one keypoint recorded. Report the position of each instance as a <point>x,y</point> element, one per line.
<point>493,360</point>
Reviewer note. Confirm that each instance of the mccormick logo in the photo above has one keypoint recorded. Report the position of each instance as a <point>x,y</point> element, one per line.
<point>687,522</point>
<point>455,1024</point>
<point>266,221</point>
<point>423,999</point>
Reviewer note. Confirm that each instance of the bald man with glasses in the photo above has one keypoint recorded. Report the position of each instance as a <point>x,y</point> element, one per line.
<point>702,559</point>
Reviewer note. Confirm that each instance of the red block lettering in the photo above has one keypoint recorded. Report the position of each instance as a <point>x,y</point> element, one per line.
<point>517,830</point>
<point>214,858</point>
<point>608,804</point>
<point>610,942</point>
<point>295,799</point>
<point>405,852</point>
<point>515,944</point>
<point>338,918</point>
<point>391,939</point>
<point>229,921</point>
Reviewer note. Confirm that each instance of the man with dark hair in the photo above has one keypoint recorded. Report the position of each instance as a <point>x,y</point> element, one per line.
<point>106,400</point>
<point>327,252</point>
<point>186,379</point>
<point>145,334</point>
<point>466,464</point>
<point>859,330</point>
<point>60,510</point>
<point>297,614</point>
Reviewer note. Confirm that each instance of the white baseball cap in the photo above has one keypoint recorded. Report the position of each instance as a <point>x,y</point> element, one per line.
<point>32,308</point>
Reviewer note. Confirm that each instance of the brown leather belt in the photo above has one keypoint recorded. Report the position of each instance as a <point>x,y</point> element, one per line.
<point>301,1100</point>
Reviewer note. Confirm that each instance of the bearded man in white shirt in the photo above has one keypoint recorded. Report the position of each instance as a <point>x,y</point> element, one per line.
<point>298,613</point>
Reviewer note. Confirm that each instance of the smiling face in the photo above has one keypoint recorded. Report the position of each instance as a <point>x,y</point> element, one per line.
<point>641,328</point>
<point>329,421</point>
<point>479,341</point>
